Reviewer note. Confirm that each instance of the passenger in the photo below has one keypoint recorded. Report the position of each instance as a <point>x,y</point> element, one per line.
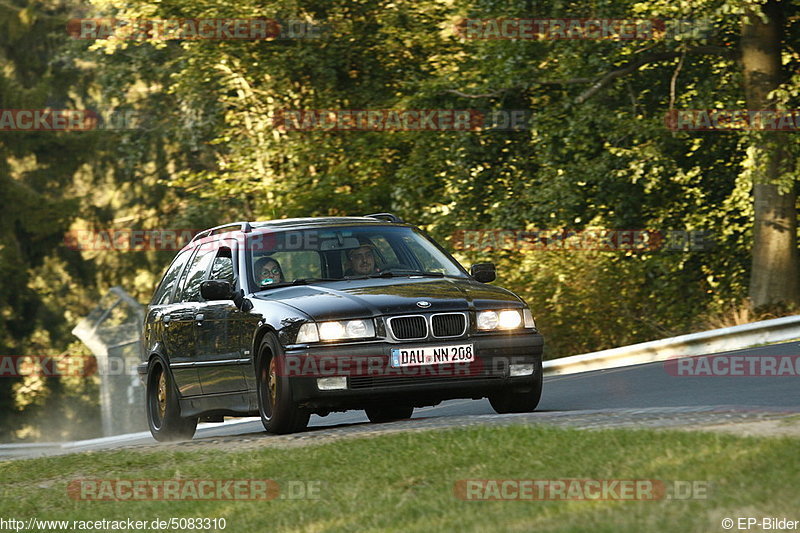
<point>268,271</point>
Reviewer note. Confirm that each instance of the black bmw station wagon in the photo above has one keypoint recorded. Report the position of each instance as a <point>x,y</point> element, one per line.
<point>288,318</point>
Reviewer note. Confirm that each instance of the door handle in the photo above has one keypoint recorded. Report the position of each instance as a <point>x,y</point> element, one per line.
<point>199,318</point>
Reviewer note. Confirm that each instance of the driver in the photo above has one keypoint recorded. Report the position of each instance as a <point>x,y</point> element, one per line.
<point>361,261</point>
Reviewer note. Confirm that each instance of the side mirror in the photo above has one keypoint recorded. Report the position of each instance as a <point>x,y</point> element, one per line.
<point>483,272</point>
<point>215,289</point>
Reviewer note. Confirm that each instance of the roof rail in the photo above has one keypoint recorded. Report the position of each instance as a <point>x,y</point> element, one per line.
<point>233,226</point>
<point>390,217</point>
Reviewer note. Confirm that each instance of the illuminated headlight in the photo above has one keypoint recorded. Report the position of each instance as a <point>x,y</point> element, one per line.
<point>509,319</point>
<point>335,330</point>
<point>346,329</point>
<point>331,330</point>
<point>505,319</point>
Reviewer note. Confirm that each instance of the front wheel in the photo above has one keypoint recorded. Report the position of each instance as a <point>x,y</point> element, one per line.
<point>279,413</point>
<point>388,413</point>
<point>163,410</point>
<point>519,402</point>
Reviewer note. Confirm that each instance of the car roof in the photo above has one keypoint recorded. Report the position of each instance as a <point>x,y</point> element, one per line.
<point>317,221</point>
<point>386,219</point>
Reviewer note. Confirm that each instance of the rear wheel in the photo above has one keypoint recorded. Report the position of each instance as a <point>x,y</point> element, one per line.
<point>279,413</point>
<point>387,413</point>
<point>163,410</point>
<point>519,402</point>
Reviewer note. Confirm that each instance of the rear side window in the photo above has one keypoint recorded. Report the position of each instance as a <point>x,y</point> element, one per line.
<point>164,290</point>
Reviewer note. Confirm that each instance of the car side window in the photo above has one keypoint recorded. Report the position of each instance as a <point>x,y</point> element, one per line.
<point>164,290</point>
<point>195,273</point>
<point>222,267</point>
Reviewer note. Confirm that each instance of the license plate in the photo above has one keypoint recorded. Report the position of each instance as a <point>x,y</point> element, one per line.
<point>432,355</point>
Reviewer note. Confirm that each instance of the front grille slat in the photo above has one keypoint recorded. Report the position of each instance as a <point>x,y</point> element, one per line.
<point>415,327</point>
<point>409,327</point>
<point>448,324</point>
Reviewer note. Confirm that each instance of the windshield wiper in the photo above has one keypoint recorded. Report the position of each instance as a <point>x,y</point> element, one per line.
<point>386,274</point>
<point>305,281</point>
<point>403,273</point>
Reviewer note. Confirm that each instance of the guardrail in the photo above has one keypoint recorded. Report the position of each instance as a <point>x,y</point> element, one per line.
<point>706,342</point>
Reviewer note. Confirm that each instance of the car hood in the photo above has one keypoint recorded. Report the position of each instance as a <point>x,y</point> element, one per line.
<point>375,296</point>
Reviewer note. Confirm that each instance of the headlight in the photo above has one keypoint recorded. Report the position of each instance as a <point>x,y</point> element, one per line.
<point>487,320</point>
<point>502,319</point>
<point>509,319</point>
<point>307,333</point>
<point>336,330</point>
<point>329,331</point>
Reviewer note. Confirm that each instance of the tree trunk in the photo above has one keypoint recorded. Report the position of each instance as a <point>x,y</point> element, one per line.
<point>774,275</point>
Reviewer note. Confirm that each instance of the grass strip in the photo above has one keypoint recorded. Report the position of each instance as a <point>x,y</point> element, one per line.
<point>405,482</point>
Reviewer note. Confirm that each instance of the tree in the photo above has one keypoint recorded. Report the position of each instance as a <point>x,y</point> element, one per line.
<point>775,268</point>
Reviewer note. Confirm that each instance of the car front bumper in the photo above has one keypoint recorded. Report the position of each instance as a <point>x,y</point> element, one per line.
<point>371,380</point>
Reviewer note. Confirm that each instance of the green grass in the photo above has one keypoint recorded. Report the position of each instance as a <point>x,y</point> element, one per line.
<point>404,482</point>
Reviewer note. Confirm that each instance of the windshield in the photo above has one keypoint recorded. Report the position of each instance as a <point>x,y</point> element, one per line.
<point>278,258</point>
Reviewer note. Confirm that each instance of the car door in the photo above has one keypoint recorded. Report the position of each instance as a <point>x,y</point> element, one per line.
<point>182,323</point>
<point>219,359</point>
<point>159,329</point>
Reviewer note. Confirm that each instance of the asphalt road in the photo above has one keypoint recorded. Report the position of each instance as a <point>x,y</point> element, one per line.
<point>651,385</point>
<point>642,386</point>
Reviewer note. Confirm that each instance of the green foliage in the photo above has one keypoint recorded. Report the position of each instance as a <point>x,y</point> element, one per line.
<point>209,152</point>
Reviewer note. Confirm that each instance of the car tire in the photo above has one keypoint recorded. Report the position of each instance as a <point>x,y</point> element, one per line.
<point>163,409</point>
<point>279,414</point>
<point>388,413</point>
<point>519,402</point>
